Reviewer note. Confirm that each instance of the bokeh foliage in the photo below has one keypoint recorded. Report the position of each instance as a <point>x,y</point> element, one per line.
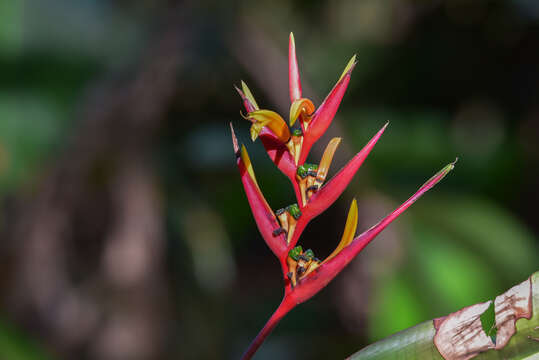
<point>454,78</point>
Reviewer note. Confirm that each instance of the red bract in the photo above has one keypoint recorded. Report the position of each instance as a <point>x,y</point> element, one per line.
<point>326,112</point>
<point>293,71</point>
<point>264,216</point>
<point>328,270</point>
<point>327,194</point>
<point>304,275</point>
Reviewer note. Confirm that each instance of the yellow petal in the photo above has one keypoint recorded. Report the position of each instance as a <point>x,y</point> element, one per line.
<point>255,130</point>
<point>299,106</point>
<point>325,163</point>
<point>349,230</point>
<point>272,121</point>
<point>350,64</point>
<point>311,268</point>
<point>248,94</point>
<point>247,163</point>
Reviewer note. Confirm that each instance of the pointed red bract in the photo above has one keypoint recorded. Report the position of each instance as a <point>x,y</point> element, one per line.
<point>317,280</point>
<point>246,103</point>
<point>265,219</point>
<point>293,71</point>
<point>330,192</point>
<point>324,115</point>
<point>324,197</point>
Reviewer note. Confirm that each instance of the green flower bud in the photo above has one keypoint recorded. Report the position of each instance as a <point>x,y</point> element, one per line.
<point>297,132</point>
<point>295,252</point>
<point>309,254</point>
<point>302,171</point>
<point>294,211</point>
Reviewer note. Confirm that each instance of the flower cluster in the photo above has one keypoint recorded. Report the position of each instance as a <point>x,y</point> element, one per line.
<point>305,275</point>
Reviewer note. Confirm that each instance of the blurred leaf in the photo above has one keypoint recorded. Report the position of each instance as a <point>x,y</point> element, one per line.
<point>484,229</point>
<point>11,29</point>
<point>394,307</point>
<point>412,138</point>
<point>29,128</point>
<point>15,346</point>
<point>453,276</point>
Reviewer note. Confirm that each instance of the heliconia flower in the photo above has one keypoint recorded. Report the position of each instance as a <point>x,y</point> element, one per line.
<point>305,275</point>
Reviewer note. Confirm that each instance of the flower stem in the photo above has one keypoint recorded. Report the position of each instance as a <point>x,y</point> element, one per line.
<point>283,309</point>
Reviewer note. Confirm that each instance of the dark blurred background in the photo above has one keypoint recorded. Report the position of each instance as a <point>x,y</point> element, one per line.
<point>125,232</point>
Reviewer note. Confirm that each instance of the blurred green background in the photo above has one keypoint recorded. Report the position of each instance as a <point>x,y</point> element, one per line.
<point>125,232</point>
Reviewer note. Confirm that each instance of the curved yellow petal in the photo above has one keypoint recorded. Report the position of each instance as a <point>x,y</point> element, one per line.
<point>272,121</point>
<point>255,130</point>
<point>325,163</point>
<point>349,66</point>
<point>248,94</point>
<point>312,267</point>
<point>247,162</point>
<point>298,106</point>
<point>349,230</point>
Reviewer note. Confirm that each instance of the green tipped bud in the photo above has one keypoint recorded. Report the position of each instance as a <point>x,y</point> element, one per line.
<point>295,252</point>
<point>297,132</point>
<point>294,211</point>
<point>309,253</point>
<point>302,171</point>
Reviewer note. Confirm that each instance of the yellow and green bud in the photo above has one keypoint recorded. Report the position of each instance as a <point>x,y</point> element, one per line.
<point>295,252</point>
<point>294,211</point>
